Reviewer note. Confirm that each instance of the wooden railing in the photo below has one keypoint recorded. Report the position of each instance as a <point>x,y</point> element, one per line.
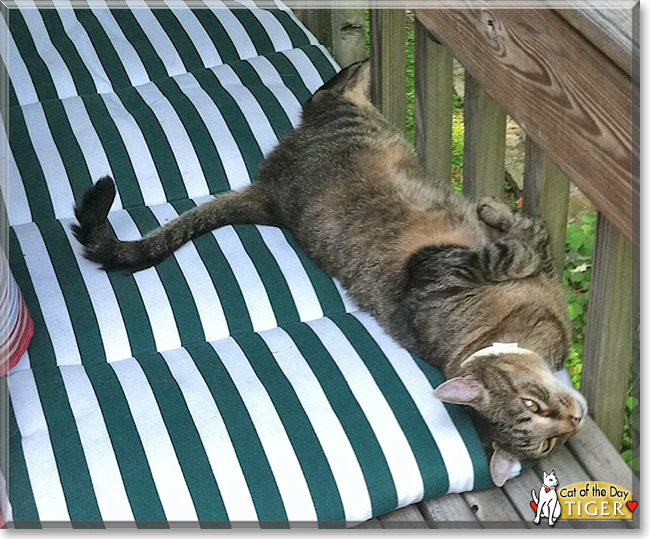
<point>571,90</point>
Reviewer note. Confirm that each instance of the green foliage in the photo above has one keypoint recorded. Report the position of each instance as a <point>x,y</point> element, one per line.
<point>576,278</point>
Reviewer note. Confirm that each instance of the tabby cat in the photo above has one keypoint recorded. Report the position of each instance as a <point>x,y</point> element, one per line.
<point>445,276</point>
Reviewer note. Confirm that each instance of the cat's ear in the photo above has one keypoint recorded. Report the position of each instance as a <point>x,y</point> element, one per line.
<point>501,465</point>
<point>359,83</point>
<point>464,390</point>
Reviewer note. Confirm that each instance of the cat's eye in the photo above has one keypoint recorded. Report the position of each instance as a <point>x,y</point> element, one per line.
<point>531,405</point>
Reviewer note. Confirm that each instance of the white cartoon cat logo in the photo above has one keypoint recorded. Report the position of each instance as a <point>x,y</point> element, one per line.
<point>548,504</point>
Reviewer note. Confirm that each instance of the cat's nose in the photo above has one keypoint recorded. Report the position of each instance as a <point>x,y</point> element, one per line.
<point>576,422</point>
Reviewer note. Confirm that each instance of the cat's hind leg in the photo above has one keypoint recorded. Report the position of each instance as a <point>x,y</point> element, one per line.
<point>250,206</point>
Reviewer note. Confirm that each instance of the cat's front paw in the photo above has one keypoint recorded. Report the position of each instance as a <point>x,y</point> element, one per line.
<point>495,214</point>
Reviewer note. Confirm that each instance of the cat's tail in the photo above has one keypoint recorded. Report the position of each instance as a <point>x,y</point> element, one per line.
<point>534,496</point>
<point>101,245</point>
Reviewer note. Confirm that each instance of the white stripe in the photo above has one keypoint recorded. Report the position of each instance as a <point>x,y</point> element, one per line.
<point>127,54</point>
<point>88,140</point>
<point>20,77</point>
<point>227,148</point>
<point>5,505</point>
<point>157,37</point>
<point>105,305</point>
<point>208,304</point>
<point>50,160</point>
<point>154,296</point>
<point>214,436</point>
<point>273,81</point>
<point>139,154</point>
<point>302,291</point>
<point>327,426</point>
<point>79,37</point>
<point>16,198</point>
<point>37,448</point>
<point>61,76</point>
<point>274,29</point>
<point>50,296</point>
<point>404,469</point>
<point>200,38</point>
<point>451,445</point>
<point>178,139</point>
<point>349,305</point>
<point>105,475</point>
<point>234,29</point>
<point>250,283</point>
<point>277,447</point>
<point>250,108</point>
<point>161,456</point>
<point>310,75</point>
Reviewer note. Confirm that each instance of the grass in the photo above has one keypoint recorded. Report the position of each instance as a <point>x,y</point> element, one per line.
<point>579,251</point>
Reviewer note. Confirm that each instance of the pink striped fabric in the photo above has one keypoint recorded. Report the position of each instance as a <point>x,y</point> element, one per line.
<point>16,326</point>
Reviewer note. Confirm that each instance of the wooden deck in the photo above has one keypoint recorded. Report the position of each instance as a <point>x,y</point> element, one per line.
<point>588,456</point>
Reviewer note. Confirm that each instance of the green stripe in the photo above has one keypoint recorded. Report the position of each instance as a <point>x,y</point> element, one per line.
<point>13,99</point>
<point>29,167</point>
<point>140,42</point>
<point>220,38</point>
<point>254,463</point>
<point>222,276</point>
<point>272,277</point>
<point>156,140</point>
<point>75,293</point>
<point>38,71</point>
<point>21,495</point>
<point>354,422</point>
<point>326,291</point>
<point>129,452</point>
<point>187,443</point>
<point>178,292</point>
<point>272,109</point>
<point>66,143</point>
<point>179,38</point>
<point>314,464</point>
<point>41,351</point>
<point>200,137</point>
<point>321,62</point>
<point>466,429</point>
<point>255,31</point>
<point>66,444</point>
<point>83,80</point>
<point>426,452</point>
<point>234,118</point>
<point>103,46</point>
<point>296,34</point>
<point>290,76</point>
<point>115,150</point>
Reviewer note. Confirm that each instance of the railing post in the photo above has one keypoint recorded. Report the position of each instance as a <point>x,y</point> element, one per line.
<point>608,334</point>
<point>349,41</point>
<point>434,105</point>
<point>546,194</point>
<point>485,143</point>
<point>388,63</point>
<point>318,22</point>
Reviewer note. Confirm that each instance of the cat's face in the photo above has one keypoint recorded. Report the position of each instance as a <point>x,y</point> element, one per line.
<point>526,412</point>
<point>550,480</point>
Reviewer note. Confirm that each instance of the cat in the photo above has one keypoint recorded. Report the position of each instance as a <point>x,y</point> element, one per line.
<point>547,505</point>
<point>445,276</point>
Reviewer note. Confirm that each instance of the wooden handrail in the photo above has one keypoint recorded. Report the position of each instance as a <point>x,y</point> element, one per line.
<point>566,94</point>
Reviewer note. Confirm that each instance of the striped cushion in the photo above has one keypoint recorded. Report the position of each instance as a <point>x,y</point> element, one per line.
<point>235,382</point>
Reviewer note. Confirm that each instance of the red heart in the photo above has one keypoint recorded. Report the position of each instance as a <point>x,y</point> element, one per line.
<point>632,506</point>
<point>548,489</point>
<point>533,505</point>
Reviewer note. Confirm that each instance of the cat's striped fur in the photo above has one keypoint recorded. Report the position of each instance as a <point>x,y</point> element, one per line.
<point>444,275</point>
